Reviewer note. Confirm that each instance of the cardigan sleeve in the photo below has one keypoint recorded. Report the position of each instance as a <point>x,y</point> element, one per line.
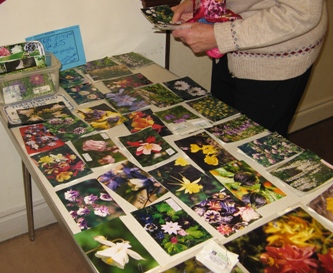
<point>265,26</point>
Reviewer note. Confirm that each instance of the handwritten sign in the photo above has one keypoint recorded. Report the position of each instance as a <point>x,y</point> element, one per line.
<point>65,44</point>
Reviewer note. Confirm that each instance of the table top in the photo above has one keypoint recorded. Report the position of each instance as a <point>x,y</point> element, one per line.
<point>158,74</point>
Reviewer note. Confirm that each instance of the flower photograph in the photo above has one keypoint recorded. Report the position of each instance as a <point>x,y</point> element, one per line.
<point>185,181</point>
<point>186,88</point>
<point>89,204</point>
<point>304,172</point>
<point>111,247</point>
<point>28,87</point>
<point>247,184</point>
<point>212,108</point>
<point>139,120</point>
<point>126,100</point>
<point>171,227</point>
<point>38,139</point>
<point>132,60</point>
<point>204,151</point>
<point>227,214</point>
<point>84,93</point>
<point>43,112</point>
<point>236,129</point>
<point>176,114</point>
<point>134,81</point>
<point>96,64</point>
<point>293,242</point>
<point>98,150</point>
<point>133,184</point>
<point>147,147</point>
<point>101,117</point>
<point>68,128</point>
<point>70,77</point>
<point>61,165</point>
<point>159,95</point>
<point>270,150</point>
<point>323,204</point>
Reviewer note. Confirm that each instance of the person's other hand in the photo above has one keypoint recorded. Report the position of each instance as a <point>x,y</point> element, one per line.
<point>199,37</point>
<point>183,11</point>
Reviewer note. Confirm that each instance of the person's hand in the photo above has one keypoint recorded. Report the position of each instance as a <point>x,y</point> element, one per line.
<point>199,37</point>
<point>183,11</point>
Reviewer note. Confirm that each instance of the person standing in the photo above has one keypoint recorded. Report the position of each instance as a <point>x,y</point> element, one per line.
<point>267,58</point>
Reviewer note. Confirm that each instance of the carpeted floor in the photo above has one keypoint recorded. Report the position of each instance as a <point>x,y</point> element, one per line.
<point>53,252</point>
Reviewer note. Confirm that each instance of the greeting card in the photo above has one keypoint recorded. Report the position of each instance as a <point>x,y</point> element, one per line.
<point>134,80</point>
<point>137,121</point>
<point>132,60</point>
<point>186,88</point>
<point>98,150</point>
<point>271,149</point>
<point>171,227</point>
<point>323,204</point>
<point>133,184</point>
<point>204,151</point>
<point>70,77</point>
<point>101,117</point>
<point>247,184</point>
<point>180,120</point>
<point>227,214</point>
<point>212,108</point>
<point>147,147</point>
<point>89,204</point>
<point>159,95</point>
<point>112,247</point>
<point>104,69</point>
<point>236,129</point>
<point>38,139</point>
<point>96,65</point>
<point>293,242</point>
<point>305,172</point>
<point>43,112</point>
<point>126,100</point>
<point>68,128</point>
<point>185,181</point>
<point>61,165</point>
<point>84,93</point>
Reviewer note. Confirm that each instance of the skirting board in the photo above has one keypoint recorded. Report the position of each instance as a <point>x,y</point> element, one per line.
<point>312,115</point>
<point>14,223</point>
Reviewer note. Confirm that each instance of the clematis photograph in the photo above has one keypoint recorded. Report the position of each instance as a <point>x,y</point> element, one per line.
<point>293,242</point>
<point>171,227</point>
<point>111,247</point>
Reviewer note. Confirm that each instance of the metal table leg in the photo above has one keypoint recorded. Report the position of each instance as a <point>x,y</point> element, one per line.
<point>28,202</point>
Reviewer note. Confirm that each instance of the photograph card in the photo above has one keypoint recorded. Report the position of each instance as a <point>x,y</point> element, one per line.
<point>89,204</point>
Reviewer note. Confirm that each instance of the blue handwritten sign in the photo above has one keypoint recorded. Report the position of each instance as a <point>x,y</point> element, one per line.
<point>65,44</point>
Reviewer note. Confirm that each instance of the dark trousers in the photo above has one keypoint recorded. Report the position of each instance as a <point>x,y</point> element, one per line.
<point>272,104</point>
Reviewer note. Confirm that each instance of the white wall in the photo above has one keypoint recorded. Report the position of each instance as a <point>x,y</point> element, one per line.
<point>108,27</point>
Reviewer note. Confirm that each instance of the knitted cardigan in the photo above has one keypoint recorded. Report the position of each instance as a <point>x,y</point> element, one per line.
<point>275,40</point>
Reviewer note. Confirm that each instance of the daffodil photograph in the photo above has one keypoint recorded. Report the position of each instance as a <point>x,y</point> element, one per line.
<point>111,247</point>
